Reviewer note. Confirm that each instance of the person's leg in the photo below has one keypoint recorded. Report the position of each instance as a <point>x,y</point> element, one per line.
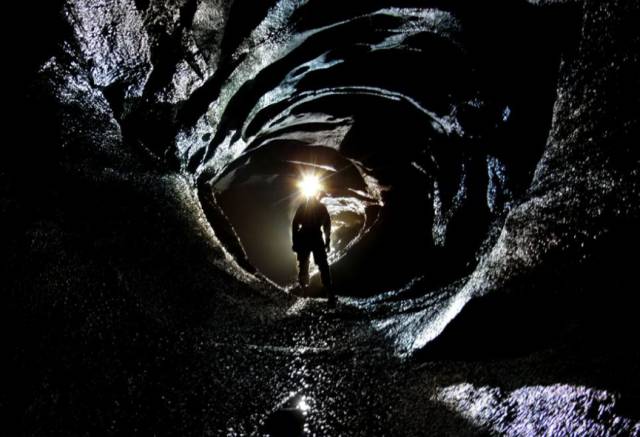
<point>320,258</point>
<point>303,268</point>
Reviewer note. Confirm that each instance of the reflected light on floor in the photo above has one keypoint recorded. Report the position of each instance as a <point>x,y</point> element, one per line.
<point>303,405</point>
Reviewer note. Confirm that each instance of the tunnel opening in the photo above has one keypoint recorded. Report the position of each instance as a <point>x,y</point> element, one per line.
<point>266,181</point>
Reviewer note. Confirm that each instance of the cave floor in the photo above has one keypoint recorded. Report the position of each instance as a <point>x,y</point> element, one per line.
<point>329,372</point>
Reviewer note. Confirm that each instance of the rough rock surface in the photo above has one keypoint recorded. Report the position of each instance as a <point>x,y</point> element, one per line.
<point>128,306</point>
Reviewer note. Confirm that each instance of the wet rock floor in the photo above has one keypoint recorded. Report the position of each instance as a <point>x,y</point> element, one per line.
<point>327,372</point>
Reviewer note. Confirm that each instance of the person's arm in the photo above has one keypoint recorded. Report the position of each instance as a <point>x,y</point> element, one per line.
<point>326,227</point>
<point>295,225</point>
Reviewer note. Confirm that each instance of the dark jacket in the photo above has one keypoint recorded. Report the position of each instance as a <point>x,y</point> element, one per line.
<point>311,218</point>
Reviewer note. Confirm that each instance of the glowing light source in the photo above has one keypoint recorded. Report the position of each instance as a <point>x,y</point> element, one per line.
<point>303,405</point>
<point>310,185</point>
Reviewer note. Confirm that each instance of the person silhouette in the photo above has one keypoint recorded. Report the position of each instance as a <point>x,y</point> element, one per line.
<point>311,217</point>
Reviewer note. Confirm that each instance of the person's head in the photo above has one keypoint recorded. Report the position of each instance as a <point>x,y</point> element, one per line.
<point>310,186</point>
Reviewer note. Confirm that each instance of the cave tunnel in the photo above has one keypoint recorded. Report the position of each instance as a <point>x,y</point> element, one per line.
<point>479,163</point>
<point>422,152</point>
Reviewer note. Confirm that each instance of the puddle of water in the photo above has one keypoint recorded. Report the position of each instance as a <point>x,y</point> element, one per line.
<point>289,420</point>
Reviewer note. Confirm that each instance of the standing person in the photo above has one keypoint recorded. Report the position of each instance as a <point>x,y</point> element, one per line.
<point>310,219</point>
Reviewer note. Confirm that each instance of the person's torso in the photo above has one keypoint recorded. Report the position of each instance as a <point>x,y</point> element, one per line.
<point>313,215</point>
